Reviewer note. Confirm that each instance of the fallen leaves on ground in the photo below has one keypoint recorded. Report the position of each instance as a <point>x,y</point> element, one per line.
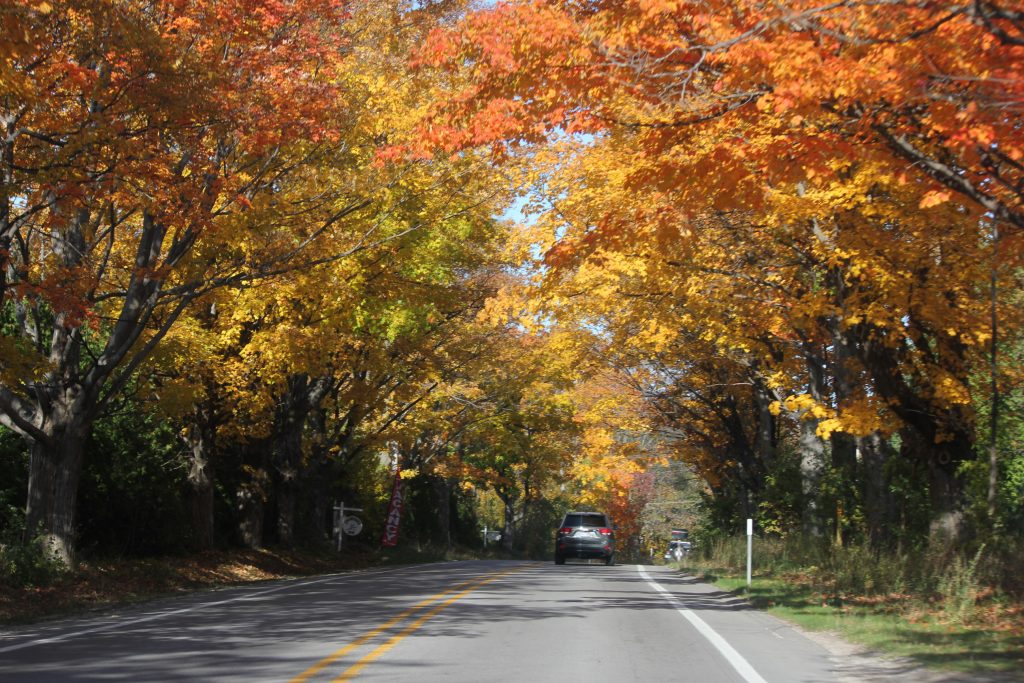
<point>103,583</point>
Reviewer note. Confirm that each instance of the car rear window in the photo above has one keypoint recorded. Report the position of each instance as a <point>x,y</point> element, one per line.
<point>584,519</point>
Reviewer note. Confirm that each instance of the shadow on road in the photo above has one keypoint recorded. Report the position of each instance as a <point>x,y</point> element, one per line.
<point>281,627</point>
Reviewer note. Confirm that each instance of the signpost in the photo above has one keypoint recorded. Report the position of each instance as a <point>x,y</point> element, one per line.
<point>491,535</point>
<point>346,525</point>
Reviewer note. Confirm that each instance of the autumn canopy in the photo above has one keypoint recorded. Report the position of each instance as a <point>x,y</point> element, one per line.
<point>258,254</point>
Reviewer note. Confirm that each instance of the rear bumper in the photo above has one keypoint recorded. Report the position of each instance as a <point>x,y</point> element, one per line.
<point>569,548</point>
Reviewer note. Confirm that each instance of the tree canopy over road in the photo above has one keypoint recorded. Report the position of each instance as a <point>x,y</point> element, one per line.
<point>258,254</point>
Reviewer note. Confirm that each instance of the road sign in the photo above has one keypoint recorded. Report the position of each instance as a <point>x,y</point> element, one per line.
<point>352,526</point>
<point>492,535</point>
<point>341,522</point>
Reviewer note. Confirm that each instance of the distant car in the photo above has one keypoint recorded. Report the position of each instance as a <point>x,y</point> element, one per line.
<point>585,535</point>
<point>677,550</point>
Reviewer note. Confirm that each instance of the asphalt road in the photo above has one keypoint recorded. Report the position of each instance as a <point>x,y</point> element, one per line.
<point>459,621</point>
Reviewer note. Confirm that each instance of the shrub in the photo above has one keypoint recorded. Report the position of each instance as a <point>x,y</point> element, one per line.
<point>959,587</point>
<point>21,563</point>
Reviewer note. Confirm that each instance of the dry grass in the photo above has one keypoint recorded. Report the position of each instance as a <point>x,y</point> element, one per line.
<point>987,639</point>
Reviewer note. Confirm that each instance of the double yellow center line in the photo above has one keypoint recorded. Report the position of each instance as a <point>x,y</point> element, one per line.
<point>455,592</point>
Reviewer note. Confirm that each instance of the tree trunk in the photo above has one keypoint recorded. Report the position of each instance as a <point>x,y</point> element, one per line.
<point>200,479</point>
<point>54,473</point>
<point>287,455</point>
<point>201,504</point>
<point>252,493</point>
<point>944,431</point>
<point>316,484</point>
<point>508,531</point>
<point>844,445</point>
<point>812,447</point>
<point>993,370</point>
<point>879,511</point>
<point>250,516</point>
<point>56,413</point>
<point>287,462</point>
<point>766,442</point>
<point>946,494</point>
<point>812,459</point>
<point>939,463</point>
<point>844,461</point>
<point>301,397</point>
<point>55,467</point>
<point>443,494</point>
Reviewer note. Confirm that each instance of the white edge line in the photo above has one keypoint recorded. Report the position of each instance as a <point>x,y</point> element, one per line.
<point>131,622</point>
<point>734,658</point>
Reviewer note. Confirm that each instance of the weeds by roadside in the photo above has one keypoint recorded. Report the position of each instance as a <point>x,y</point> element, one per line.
<point>23,564</point>
<point>945,610</point>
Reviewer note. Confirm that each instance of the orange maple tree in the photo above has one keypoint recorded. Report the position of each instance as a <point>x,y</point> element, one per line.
<point>876,148</point>
<point>138,137</point>
<point>931,83</point>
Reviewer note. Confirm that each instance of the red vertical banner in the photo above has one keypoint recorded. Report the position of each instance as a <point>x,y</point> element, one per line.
<point>394,518</point>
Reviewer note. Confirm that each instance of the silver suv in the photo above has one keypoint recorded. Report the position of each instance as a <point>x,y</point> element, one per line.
<point>585,535</point>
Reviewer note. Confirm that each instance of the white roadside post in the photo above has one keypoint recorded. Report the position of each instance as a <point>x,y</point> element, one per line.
<point>750,547</point>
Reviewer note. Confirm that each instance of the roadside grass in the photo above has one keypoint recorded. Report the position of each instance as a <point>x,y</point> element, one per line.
<point>990,639</point>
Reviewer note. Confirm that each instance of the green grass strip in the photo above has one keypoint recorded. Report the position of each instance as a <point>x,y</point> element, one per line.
<point>893,626</point>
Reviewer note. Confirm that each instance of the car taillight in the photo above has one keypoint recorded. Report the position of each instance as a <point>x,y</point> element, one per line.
<point>606,532</point>
<point>565,530</point>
